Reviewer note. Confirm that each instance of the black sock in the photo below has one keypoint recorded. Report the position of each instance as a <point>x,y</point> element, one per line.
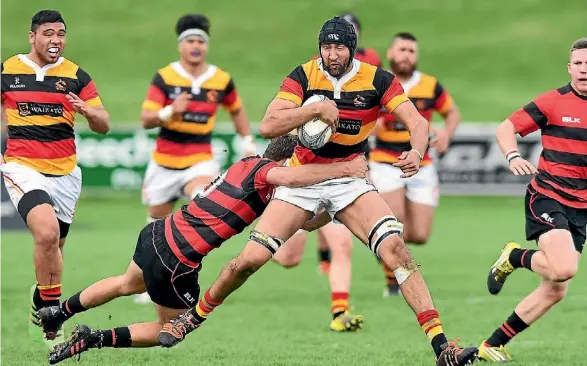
<point>72,306</point>
<point>508,330</point>
<point>437,343</point>
<point>324,255</point>
<point>522,258</point>
<point>116,337</point>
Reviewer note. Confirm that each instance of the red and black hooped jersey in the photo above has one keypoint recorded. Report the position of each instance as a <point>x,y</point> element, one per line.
<point>226,207</point>
<point>359,96</point>
<point>561,115</point>
<point>186,140</point>
<point>40,118</point>
<point>394,138</point>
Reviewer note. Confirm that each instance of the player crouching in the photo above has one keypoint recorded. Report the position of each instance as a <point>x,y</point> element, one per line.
<point>169,252</point>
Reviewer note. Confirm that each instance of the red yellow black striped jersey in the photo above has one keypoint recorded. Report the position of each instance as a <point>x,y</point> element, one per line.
<point>561,115</point>
<point>186,140</point>
<point>359,95</point>
<point>394,138</point>
<point>226,207</point>
<point>40,118</point>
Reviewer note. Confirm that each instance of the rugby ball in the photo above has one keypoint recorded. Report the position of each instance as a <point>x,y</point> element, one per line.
<point>314,134</point>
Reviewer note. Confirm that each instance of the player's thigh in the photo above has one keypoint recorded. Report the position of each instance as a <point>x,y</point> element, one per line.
<point>168,282</point>
<point>363,214</point>
<point>133,282</point>
<point>396,200</point>
<point>65,192</point>
<point>161,186</point>
<point>29,192</point>
<point>289,209</point>
<point>338,238</point>
<point>421,201</point>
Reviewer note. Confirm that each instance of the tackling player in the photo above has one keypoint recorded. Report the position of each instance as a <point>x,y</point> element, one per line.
<point>556,200</point>
<point>413,200</point>
<point>41,93</point>
<point>182,100</point>
<point>352,201</point>
<point>169,252</point>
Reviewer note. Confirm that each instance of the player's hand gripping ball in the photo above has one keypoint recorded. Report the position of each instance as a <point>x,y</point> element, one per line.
<point>316,133</point>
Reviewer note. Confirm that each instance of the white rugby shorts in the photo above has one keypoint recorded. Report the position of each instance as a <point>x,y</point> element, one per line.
<point>162,185</point>
<point>421,188</point>
<point>334,195</point>
<point>64,190</point>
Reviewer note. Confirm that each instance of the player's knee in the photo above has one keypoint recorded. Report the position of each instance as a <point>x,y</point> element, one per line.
<point>47,236</point>
<point>341,248</point>
<point>563,273</point>
<point>555,293</point>
<point>417,238</point>
<point>394,250</point>
<point>288,260</point>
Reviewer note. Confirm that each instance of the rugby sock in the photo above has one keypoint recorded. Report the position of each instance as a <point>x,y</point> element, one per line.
<point>46,295</point>
<point>429,320</point>
<point>115,337</point>
<point>205,306</point>
<point>324,255</point>
<point>340,303</point>
<point>522,258</point>
<point>72,306</point>
<point>508,330</point>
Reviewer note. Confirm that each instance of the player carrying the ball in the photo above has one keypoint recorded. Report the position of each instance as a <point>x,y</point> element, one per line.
<point>358,91</point>
<point>169,253</point>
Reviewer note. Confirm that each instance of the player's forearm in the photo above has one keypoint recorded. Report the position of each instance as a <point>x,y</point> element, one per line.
<point>280,122</point>
<point>241,122</point>
<point>419,135</point>
<point>99,120</point>
<point>506,137</point>
<point>452,120</point>
<point>309,174</point>
<point>150,119</point>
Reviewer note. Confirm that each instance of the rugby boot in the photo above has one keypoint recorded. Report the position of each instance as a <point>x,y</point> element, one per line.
<point>346,322</point>
<point>453,355</point>
<point>51,319</point>
<point>493,354</point>
<point>501,269</point>
<point>177,329</point>
<point>82,339</point>
<point>37,332</point>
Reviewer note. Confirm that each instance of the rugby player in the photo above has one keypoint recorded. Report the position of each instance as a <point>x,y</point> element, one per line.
<point>351,201</point>
<point>556,200</point>
<point>41,94</point>
<point>332,235</point>
<point>169,252</point>
<point>413,200</point>
<point>334,239</point>
<point>182,101</point>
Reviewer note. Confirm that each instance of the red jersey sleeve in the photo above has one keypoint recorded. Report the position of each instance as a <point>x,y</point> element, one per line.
<point>231,100</point>
<point>442,100</point>
<point>294,86</point>
<point>156,96</point>
<point>533,116</point>
<point>263,168</point>
<point>88,91</point>
<point>389,88</point>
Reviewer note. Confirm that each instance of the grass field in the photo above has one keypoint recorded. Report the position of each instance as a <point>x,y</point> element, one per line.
<point>493,56</point>
<point>281,316</point>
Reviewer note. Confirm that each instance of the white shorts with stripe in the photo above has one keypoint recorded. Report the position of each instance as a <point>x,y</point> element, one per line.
<point>64,190</point>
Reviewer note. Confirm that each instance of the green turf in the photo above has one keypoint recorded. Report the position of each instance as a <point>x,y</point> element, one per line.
<point>281,316</point>
<point>493,56</point>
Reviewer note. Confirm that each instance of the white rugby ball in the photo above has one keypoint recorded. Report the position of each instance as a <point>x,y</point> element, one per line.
<point>315,133</point>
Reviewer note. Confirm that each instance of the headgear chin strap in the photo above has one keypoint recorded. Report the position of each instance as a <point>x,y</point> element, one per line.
<point>194,32</point>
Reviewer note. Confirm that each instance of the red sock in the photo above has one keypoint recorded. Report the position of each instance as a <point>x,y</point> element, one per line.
<point>429,320</point>
<point>340,303</point>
